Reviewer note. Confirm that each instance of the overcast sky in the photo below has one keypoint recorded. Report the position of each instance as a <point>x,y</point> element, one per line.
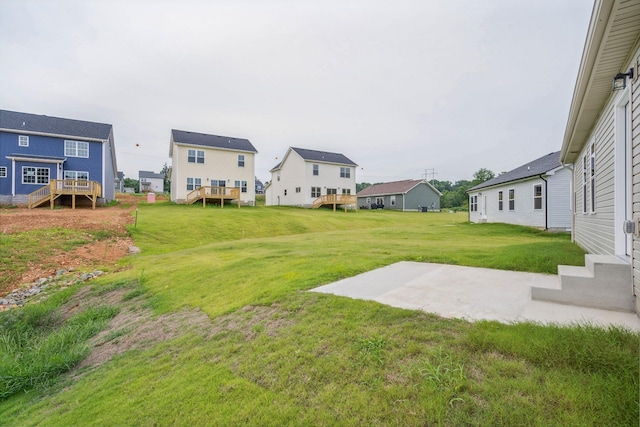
<point>398,86</point>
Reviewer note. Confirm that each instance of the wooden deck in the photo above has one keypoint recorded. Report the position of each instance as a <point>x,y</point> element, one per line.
<point>213,193</point>
<point>65,187</point>
<point>335,200</point>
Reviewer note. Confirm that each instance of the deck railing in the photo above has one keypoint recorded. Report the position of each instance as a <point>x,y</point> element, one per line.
<point>73,187</point>
<point>213,193</point>
<point>336,199</point>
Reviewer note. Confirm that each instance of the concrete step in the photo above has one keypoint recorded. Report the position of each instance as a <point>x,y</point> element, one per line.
<point>604,282</point>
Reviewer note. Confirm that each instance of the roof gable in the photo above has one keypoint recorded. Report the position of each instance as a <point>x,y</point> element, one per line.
<point>212,141</point>
<point>150,174</point>
<point>33,123</point>
<point>396,187</point>
<point>537,167</point>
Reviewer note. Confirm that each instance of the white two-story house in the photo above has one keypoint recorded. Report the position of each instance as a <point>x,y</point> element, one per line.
<point>303,176</point>
<point>212,161</point>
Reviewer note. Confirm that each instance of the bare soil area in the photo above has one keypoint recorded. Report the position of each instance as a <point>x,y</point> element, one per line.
<point>113,219</point>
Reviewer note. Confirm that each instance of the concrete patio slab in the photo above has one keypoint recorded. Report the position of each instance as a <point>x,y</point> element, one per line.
<point>470,293</point>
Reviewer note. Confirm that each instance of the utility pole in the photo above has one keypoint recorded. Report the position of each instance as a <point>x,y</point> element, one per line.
<point>430,173</point>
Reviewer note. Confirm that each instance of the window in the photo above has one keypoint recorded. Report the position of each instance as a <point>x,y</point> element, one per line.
<point>332,191</point>
<point>243,188</point>
<point>32,175</point>
<point>241,160</point>
<point>473,203</point>
<point>76,149</point>
<point>380,201</point>
<point>592,178</point>
<point>315,191</point>
<point>512,199</point>
<point>79,175</point>
<point>584,184</point>
<point>23,141</point>
<point>392,200</point>
<point>195,156</point>
<point>222,183</point>
<point>285,192</point>
<point>3,171</point>
<point>297,189</point>
<point>316,170</point>
<point>194,183</point>
<point>345,172</point>
<point>368,200</point>
<point>499,200</point>
<point>537,196</point>
<point>346,191</point>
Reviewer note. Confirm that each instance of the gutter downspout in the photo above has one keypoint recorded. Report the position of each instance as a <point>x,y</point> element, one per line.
<point>546,205</point>
<point>572,200</point>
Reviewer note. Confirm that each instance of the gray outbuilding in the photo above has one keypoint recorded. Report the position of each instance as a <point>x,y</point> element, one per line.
<point>407,195</point>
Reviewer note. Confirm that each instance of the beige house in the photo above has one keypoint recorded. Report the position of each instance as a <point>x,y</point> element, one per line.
<point>306,178</point>
<point>211,167</point>
<point>602,143</point>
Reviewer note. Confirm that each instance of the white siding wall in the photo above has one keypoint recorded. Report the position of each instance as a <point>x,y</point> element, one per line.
<point>523,214</point>
<point>559,199</point>
<point>218,165</point>
<point>595,231</point>
<point>296,172</point>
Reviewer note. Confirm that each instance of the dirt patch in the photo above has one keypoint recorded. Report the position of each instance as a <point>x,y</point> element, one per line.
<point>111,220</point>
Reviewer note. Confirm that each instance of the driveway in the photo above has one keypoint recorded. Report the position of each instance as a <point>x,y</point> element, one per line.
<point>470,293</point>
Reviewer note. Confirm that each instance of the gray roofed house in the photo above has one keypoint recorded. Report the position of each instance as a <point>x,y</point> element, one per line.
<point>37,150</point>
<point>405,195</point>
<point>534,194</point>
<point>210,167</point>
<point>151,182</point>
<point>303,177</point>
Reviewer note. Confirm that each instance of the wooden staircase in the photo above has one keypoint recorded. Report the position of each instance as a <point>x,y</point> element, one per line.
<point>65,187</point>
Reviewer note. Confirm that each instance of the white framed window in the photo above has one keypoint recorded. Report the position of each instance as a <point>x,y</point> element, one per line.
<point>380,201</point>
<point>76,149</point>
<point>316,170</point>
<point>298,189</point>
<point>241,160</point>
<point>346,191</point>
<point>592,178</point>
<point>500,200</point>
<point>332,191</point>
<point>3,171</point>
<point>537,196</point>
<point>33,175</point>
<point>368,200</point>
<point>78,175</point>
<point>285,192</point>
<point>345,172</point>
<point>315,191</point>
<point>23,141</point>
<point>392,200</point>
<point>195,156</point>
<point>512,199</point>
<point>193,183</point>
<point>473,203</point>
<point>243,187</point>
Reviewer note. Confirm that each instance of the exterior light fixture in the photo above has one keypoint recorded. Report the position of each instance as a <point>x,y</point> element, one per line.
<point>620,80</point>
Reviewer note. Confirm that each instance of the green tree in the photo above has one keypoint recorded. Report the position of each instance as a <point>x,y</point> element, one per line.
<point>132,183</point>
<point>166,173</point>
<point>482,175</point>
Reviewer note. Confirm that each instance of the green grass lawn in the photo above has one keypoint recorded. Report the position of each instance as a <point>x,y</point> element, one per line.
<point>277,355</point>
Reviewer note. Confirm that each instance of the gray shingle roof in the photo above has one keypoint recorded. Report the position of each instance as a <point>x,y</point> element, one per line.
<point>149,174</point>
<point>537,167</point>
<point>213,141</point>
<point>33,123</point>
<point>323,156</point>
<point>396,187</point>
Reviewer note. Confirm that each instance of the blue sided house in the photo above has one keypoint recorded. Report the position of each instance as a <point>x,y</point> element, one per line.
<point>51,160</point>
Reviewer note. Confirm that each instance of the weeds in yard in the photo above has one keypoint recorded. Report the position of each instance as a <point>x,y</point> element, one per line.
<point>371,349</point>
